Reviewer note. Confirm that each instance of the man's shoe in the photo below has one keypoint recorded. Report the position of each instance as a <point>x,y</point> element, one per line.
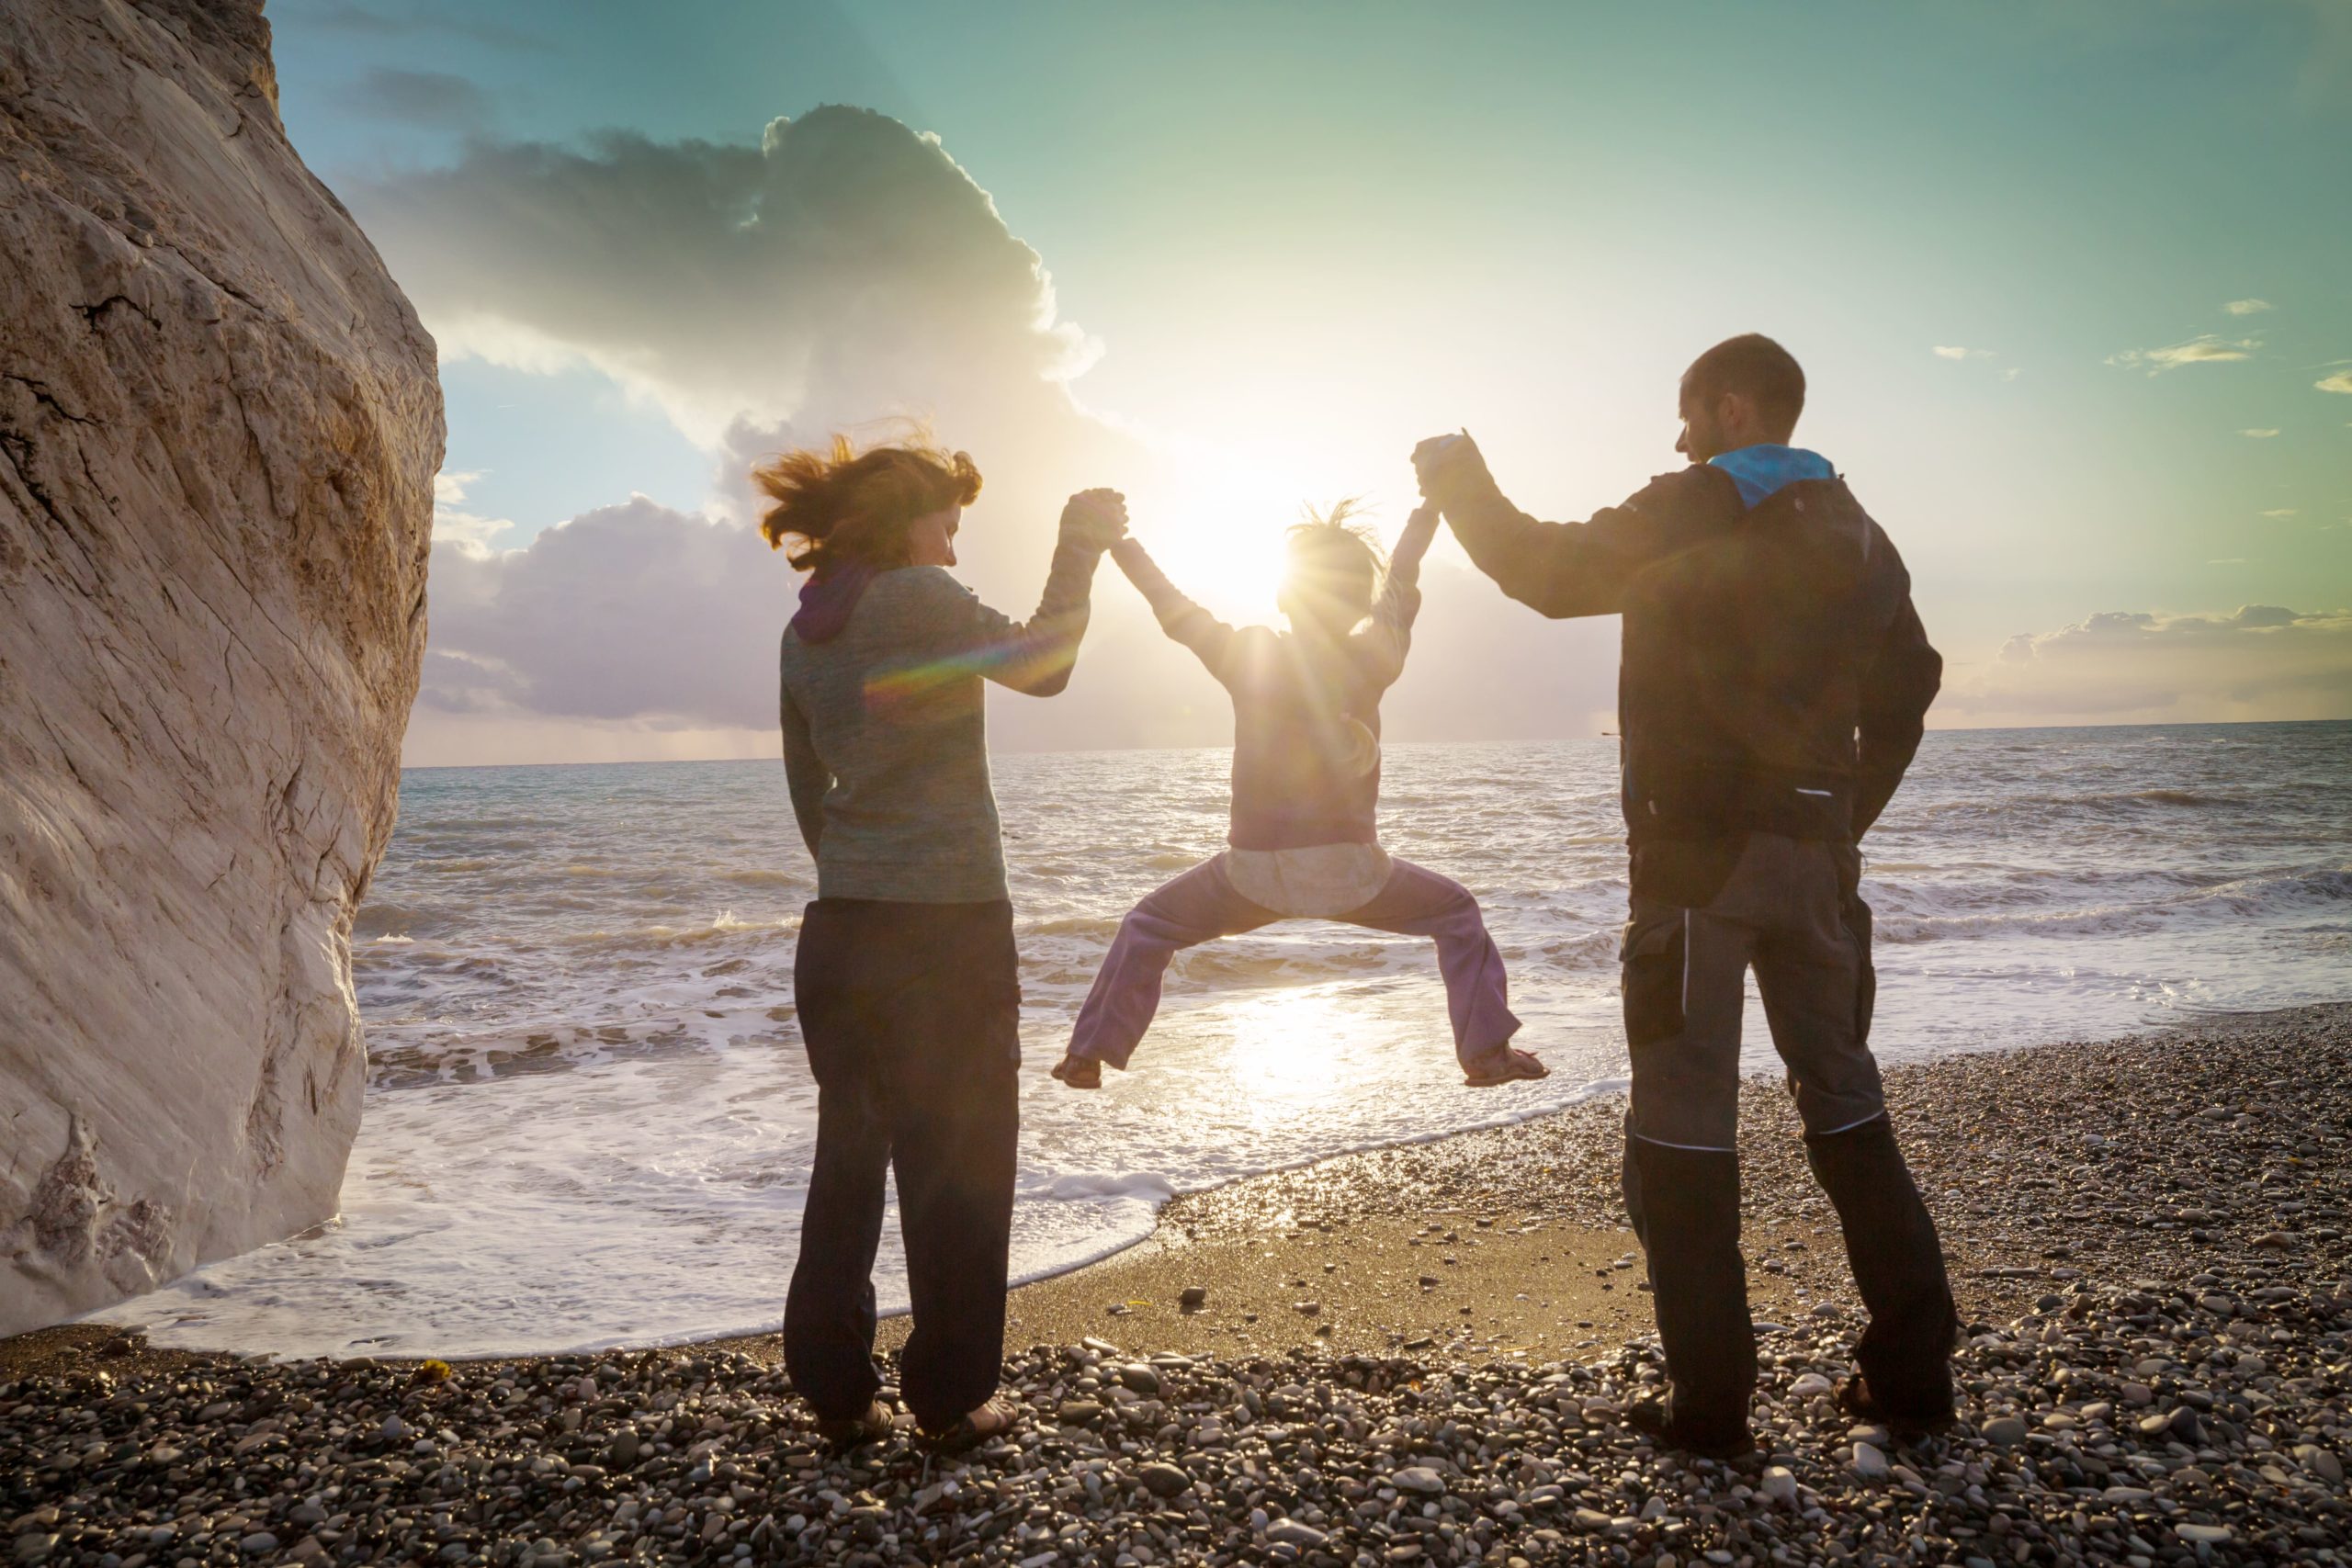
<point>877,1425</point>
<point>1655,1419</point>
<point>1854,1397</point>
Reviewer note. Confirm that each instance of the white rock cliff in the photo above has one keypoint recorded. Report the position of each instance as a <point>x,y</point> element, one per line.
<point>219,428</point>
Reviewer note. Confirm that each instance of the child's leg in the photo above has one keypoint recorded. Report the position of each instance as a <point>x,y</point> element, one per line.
<point>1478,993</point>
<point>1197,906</point>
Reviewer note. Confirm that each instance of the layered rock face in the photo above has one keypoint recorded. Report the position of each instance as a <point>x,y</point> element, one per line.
<point>219,428</point>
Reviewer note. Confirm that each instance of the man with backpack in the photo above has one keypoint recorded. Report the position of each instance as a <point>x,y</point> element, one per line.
<point>1773,690</point>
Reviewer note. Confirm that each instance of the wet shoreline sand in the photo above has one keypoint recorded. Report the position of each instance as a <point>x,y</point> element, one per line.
<point>2042,1166</point>
<point>2148,1241</point>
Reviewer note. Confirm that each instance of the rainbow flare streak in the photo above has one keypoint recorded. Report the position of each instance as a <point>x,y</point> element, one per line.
<point>1023,663</point>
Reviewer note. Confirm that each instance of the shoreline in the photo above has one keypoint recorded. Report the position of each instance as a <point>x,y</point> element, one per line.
<point>1483,1197</point>
<point>1585,1133</point>
<point>2148,1239</point>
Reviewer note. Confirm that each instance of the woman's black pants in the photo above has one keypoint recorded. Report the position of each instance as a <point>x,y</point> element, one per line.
<point>911,1016</point>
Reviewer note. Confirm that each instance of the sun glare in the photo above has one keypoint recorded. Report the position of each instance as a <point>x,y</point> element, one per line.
<point>1216,526</point>
<point>1217,532</point>
<point>1315,1026</point>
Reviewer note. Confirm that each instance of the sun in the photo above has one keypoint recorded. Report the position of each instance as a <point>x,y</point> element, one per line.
<point>1217,530</point>
<point>1215,525</point>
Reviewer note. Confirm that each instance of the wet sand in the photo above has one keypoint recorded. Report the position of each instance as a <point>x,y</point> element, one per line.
<point>2042,1167</point>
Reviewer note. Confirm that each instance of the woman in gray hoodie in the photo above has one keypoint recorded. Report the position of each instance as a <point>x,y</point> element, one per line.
<point>905,978</point>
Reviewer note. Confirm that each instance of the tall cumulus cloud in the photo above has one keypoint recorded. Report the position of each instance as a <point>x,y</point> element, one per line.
<point>840,269</point>
<point>843,272</point>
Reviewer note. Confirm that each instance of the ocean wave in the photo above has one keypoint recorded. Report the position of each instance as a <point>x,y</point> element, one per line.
<point>2244,899</point>
<point>1098,927</point>
<point>1072,1185</point>
<point>1588,951</point>
<point>425,1057</point>
<point>725,927</point>
<point>761,877</point>
<point>2108,801</point>
<point>386,916</point>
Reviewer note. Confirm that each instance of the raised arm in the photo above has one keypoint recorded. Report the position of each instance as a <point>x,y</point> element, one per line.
<point>1560,569</point>
<point>805,774</point>
<point>1388,636</point>
<point>1182,620</point>
<point>1898,687</point>
<point>1036,656</point>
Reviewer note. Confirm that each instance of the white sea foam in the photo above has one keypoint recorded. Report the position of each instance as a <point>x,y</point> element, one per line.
<point>589,1119</point>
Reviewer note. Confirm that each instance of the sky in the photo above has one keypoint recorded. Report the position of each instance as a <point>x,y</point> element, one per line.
<point>2069,284</point>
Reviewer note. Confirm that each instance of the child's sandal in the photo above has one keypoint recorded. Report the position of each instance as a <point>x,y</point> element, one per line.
<point>1501,1065</point>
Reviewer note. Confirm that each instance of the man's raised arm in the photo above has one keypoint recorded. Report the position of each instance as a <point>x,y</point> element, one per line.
<point>1559,570</point>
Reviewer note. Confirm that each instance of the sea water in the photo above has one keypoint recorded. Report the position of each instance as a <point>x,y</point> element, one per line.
<point>588,1118</point>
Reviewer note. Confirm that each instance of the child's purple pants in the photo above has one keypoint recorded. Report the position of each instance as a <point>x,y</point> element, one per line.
<point>1202,904</point>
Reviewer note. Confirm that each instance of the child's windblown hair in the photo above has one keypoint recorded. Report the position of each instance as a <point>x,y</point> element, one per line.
<point>1334,571</point>
<point>844,506</point>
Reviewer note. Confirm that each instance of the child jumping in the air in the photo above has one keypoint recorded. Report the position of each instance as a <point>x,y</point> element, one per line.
<point>1305,793</point>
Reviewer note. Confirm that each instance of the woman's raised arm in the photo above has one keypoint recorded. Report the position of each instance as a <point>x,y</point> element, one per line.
<point>1036,656</point>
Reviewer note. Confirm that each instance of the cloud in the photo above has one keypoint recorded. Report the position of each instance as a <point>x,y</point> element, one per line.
<point>843,268</point>
<point>469,531</point>
<point>2258,434</point>
<point>2262,661</point>
<point>348,16</point>
<point>633,613</point>
<point>2207,349</point>
<point>1943,351</point>
<point>2280,512</point>
<point>2246,307</point>
<point>433,99</point>
<point>2339,382</point>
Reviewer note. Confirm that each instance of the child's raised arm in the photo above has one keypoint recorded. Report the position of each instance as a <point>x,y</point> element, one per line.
<point>1181,618</point>
<point>1388,636</point>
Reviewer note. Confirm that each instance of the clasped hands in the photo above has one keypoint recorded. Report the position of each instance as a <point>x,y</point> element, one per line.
<point>1097,519</point>
<point>1440,460</point>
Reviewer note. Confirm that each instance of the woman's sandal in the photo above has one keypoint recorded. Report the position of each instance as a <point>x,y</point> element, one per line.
<point>1079,1072</point>
<point>874,1425</point>
<point>1501,1065</point>
<point>967,1433</point>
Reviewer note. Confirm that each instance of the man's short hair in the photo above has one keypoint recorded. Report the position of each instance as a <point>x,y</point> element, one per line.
<point>1753,365</point>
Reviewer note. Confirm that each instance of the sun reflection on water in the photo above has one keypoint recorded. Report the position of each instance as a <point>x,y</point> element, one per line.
<point>1294,1050</point>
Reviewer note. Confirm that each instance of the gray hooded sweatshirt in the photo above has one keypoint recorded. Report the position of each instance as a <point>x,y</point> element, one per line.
<point>885,739</point>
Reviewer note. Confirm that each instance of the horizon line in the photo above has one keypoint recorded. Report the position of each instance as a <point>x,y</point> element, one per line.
<point>1507,740</point>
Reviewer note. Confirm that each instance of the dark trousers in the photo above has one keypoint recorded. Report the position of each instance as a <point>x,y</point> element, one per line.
<point>1791,910</point>
<point>911,1016</point>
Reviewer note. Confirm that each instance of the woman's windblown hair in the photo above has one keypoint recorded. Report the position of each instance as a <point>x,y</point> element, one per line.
<point>844,506</point>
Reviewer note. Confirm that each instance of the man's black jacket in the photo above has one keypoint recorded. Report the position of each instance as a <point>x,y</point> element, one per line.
<point>1774,673</point>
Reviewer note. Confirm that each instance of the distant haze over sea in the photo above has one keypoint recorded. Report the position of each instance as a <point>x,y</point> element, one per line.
<point>589,1116</point>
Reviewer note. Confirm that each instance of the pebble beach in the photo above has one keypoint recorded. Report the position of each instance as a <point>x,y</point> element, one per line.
<point>1420,1354</point>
